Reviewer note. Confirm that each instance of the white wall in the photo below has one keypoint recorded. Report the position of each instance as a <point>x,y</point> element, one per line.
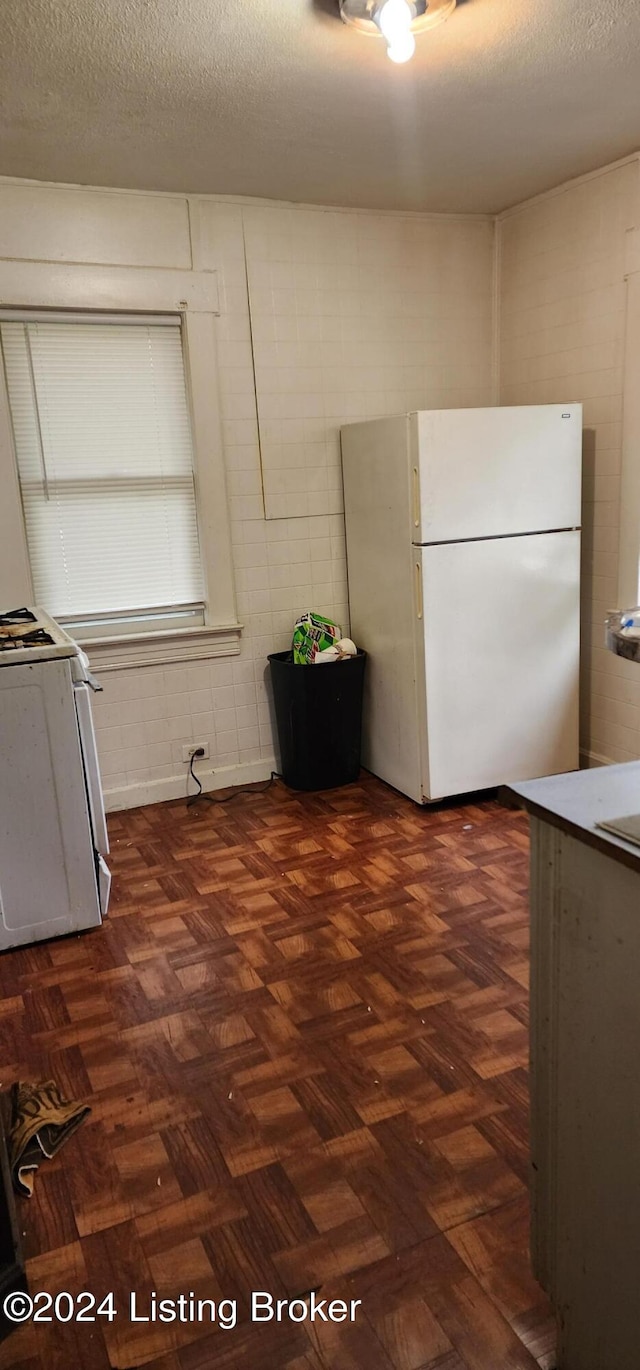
<point>353,314</point>
<point>562,337</point>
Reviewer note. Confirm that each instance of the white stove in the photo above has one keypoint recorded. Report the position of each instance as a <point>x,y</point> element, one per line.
<point>53,834</point>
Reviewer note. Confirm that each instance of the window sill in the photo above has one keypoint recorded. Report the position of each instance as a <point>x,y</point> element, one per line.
<point>161,649</point>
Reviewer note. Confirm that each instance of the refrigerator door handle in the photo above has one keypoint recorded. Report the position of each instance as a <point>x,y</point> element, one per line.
<point>416,497</point>
<point>418,589</point>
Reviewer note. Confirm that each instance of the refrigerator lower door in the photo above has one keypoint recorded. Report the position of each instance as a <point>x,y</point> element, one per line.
<point>500,634</point>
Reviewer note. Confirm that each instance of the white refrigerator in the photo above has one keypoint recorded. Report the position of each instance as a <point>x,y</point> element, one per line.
<point>463,559</point>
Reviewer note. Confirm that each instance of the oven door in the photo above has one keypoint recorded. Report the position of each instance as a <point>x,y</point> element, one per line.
<point>91,767</point>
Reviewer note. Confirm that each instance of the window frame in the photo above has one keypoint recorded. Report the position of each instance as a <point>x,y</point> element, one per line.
<point>110,291</point>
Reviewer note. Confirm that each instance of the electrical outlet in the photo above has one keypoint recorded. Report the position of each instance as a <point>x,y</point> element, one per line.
<point>192,747</point>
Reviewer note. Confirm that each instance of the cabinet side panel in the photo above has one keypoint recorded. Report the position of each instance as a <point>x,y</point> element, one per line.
<point>597,1226</point>
<point>377,493</point>
<point>544,901</point>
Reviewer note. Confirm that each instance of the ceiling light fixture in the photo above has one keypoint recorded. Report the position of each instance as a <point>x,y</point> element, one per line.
<point>398,21</point>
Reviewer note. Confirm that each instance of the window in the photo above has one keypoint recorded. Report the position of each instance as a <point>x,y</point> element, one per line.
<point>103,443</point>
<point>185,304</point>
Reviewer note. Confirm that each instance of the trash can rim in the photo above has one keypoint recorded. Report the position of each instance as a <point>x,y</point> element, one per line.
<point>286,659</point>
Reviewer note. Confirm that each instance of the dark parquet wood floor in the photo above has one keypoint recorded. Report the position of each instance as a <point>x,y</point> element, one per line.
<point>303,1035</point>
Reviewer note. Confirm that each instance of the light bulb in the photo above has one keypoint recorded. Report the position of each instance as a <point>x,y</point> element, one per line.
<point>394,21</point>
<point>402,48</point>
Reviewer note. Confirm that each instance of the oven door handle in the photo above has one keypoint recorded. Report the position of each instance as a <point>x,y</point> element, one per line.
<point>91,767</point>
<point>93,683</point>
<point>86,673</point>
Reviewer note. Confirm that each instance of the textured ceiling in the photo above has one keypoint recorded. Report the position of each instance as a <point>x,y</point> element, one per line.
<point>278,98</point>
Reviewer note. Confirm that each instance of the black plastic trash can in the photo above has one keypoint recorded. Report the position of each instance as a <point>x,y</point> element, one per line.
<point>319,720</point>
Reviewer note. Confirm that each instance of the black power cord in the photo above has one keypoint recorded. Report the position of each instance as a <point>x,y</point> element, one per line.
<point>209,798</point>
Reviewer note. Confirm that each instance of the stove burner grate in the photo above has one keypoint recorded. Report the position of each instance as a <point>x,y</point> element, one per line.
<point>13,642</point>
<point>17,616</point>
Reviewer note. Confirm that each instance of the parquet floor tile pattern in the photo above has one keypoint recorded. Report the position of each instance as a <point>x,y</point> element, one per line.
<point>303,1035</point>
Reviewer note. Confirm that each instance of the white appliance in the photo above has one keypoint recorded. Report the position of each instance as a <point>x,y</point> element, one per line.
<point>53,832</point>
<point>463,552</point>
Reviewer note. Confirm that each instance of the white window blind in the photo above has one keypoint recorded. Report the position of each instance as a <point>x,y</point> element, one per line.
<point>105,460</point>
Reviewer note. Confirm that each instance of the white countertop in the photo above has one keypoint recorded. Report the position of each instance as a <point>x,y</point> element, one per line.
<point>578,800</point>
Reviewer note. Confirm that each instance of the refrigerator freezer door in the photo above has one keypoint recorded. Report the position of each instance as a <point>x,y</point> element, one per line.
<point>497,472</point>
<point>501,654</point>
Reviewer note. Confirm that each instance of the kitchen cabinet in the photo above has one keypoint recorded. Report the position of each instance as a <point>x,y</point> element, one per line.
<point>585,1062</point>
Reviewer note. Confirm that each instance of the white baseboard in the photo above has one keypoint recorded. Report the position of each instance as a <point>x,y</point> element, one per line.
<point>589,759</point>
<point>175,786</point>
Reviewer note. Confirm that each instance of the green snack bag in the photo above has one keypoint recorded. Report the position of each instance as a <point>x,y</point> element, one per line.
<point>312,634</point>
